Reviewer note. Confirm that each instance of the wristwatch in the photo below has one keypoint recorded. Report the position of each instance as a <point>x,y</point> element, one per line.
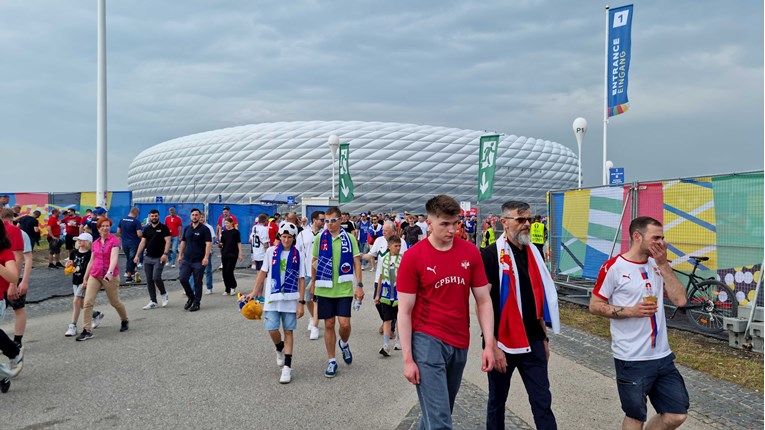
<point>360,284</point>
<point>302,302</point>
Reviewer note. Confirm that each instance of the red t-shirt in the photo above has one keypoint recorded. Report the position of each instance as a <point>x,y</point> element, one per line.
<point>54,228</point>
<point>14,234</point>
<point>72,225</point>
<point>5,256</point>
<point>442,282</point>
<point>174,223</point>
<point>272,230</point>
<point>230,215</point>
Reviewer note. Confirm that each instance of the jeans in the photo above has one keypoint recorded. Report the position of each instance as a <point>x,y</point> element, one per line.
<point>208,272</point>
<point>187,270</point>
<point>441,367</point>
<point>229,280</point>
<point>112,289</point>
<point>173,254</point>
<point>364,249</point>
<point>130,252</point>
<point>153,268</point>
<point>533,369</point>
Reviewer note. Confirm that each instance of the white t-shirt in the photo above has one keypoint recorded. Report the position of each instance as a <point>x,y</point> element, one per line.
<point>281,305</point>
<point>305,246</point>
<point>623,283</point>
<point>379,249</point>
<point>259,241</point>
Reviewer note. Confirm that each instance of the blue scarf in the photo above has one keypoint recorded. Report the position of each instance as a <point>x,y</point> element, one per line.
<point>388,293</point>
<point>288,291</point>
<point>324,267</point>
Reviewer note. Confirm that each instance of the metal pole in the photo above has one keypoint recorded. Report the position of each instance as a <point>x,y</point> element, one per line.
<point>579,163</point>
<point>333,176</point>
<point>605,104</point>
<point>101,108</point>
<point>748,331</point>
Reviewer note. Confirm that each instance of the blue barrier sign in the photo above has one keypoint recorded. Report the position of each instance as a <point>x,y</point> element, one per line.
<point>616,176</point>
<point>158,199</point>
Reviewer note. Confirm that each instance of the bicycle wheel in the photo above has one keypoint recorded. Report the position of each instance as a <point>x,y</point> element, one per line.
<point>708,303</point>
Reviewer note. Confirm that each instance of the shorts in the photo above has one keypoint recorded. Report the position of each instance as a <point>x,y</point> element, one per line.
<point>16,304</point>
<point>69,242</point>
<point>388,312</point>
<point>54,246</point>
<point>658,379</point>
<point>275,319</point>
<point>258,264</point>
<point>78,290</point>
<point>330,307</point>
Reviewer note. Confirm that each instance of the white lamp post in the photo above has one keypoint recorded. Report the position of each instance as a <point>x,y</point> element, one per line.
<point>609,166</point>
<point>580,128</point>
<point>334,143</point>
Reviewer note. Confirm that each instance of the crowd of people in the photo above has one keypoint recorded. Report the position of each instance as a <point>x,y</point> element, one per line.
<point>426,267</point>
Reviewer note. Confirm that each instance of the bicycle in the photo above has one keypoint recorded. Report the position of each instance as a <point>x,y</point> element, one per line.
<point>709,300</point>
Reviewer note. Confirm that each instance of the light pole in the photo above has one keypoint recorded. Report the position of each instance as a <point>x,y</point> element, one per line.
<point>334,143</point>
<point>609,166</point>
<point>580,128</point>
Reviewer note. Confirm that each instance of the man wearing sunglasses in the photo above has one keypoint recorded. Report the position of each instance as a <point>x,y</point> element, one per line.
<point>336,268</point>
<point>522,294</point>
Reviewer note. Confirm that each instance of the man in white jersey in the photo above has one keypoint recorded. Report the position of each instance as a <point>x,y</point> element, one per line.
<point>630,290</point>
<point>259,241</point>
<point>305,245</point>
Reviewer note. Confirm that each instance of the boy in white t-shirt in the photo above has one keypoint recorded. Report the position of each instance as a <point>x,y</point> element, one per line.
<point>629,291</point>
<point>284,277</point>
<point>259,241</point>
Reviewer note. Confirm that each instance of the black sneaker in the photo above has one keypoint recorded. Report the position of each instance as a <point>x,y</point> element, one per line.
<point>51,266</point>
<point>59,265</point>
<point>124,326</point>
<point>194,307</point>
<point>85,335</point>
<point>129,280</point>
<point>5,385</point>
<point>188,304</point>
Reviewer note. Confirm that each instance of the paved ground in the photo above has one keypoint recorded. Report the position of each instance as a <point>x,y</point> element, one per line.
<point>214,369</point>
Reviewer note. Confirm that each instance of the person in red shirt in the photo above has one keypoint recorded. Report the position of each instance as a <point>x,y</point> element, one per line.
<point>9,273</point>
<point>434,282</point>
<point>54,240</point>
<point>221,219</point>
<point>175,224</point>
<point>72,228</point>
<point>273,228</point>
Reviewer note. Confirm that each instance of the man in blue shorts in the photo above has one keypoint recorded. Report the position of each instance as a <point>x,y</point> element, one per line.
<point>629,291</point>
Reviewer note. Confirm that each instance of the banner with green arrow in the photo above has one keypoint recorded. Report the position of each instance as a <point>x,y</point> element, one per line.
<point>487,159</point>
<point>346,184</point>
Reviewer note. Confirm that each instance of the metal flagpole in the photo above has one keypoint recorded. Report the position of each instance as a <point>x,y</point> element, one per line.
<point>101,108</point>
<point>605,104</point>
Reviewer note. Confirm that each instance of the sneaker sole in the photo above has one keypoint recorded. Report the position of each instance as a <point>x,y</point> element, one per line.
<point>84,339</point>
<point>326,375</point>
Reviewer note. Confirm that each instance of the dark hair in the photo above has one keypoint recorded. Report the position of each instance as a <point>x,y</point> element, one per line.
<point>5,242</point>
<point>38,213</point>
<point>277,215</point>
<point>333,210</point>
<point>154,211</point>
<point>195,210</point>
<point>229,219</point>
<point>515,205</point>
<point>442,205</point>
<point>394,239</point>
<point>262,218</point>
<point>640,223</point>
<point>103,221</point>
<point>316,214</point>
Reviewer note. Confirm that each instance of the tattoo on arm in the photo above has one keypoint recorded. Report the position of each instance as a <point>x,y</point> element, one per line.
<point>615,311</point>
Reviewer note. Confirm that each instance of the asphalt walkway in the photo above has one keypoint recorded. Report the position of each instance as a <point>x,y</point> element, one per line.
<point>214,369</point>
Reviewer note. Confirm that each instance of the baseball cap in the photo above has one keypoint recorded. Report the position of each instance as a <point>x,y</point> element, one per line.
<point>363,214</point>
<point>84,236</point>
<point>288,227</point>
<point>99,211</point>
<point>226,208</point>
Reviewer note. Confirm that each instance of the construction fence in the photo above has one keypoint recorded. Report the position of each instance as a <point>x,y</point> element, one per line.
<point>720,217</point>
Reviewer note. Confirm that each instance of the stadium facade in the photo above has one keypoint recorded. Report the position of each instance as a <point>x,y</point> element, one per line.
<point>394,166</point>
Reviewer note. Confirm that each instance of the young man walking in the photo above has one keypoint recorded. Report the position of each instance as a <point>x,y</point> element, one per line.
<point>196,243</point>
<point>434,283</point>
<point>155,240</point>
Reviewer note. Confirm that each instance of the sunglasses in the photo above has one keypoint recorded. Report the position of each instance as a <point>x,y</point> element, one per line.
<point>520,219</point>
<point>331,220</point>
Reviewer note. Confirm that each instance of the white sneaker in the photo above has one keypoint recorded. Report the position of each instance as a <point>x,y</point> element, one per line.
<point>279,358</point>
<point>397,345</point>
<point>286,375</point>
<point>151,305</point>
<point>224,294</point>
<point>314,333</point>
<point>208,292</point>
<point>71,331</point>
<point>165,299</point>
<point>97,320</point>
<point>139,265</point>
<point>385,350</point>
<point>173,265</point>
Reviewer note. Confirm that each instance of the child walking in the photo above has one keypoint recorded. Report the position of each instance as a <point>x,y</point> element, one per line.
<point>78,261</point>
<point>284,280</point>
<point>387,297</point>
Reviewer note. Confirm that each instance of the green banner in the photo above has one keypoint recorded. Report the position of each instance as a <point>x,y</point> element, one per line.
<point>487,159</point>
<point>346,184</point>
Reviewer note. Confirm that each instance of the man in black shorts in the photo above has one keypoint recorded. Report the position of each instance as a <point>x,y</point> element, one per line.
<point>336,265</point>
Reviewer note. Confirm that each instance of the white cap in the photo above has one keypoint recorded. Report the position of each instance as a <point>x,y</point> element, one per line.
<point>288,227</point>
<point>84,236</point>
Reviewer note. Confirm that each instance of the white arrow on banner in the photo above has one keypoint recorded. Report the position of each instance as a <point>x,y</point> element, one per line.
<point>343,188</point>
<point>484,184</point>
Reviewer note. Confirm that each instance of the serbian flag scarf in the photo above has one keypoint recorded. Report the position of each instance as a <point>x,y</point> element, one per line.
<point>512,334</point>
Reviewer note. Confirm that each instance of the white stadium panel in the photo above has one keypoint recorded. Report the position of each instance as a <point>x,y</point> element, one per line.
<point>393,166</point>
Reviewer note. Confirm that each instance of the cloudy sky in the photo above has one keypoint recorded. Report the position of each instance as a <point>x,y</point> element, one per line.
<point>523,67</point>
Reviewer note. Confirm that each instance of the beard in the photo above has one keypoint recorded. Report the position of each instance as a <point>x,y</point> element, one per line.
<point>522,237</point>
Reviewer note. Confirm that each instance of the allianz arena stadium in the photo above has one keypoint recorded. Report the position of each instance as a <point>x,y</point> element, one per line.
<point>394,167</point>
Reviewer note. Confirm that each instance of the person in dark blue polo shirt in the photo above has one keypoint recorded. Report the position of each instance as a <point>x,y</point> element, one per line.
<point>129,230</point>
<point>196,243</point>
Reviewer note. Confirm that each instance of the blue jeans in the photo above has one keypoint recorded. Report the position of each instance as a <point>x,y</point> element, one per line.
<point>173,254</point>
<point>208,274</point>
<point>130,252</point>
<point>441,367</point>
<point>186,272</point>
<point>533,369</point>
<point>658,379</point>
<point>364,249</point>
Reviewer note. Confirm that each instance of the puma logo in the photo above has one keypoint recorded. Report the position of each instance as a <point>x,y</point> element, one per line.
<point>627,276</point>
<point>432,269</point>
